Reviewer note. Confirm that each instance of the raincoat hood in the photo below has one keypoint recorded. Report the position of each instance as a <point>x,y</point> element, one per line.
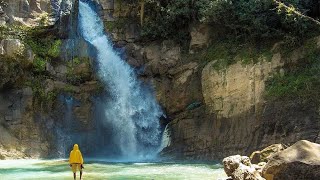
<point>75,155</point>
<point>75,147</point>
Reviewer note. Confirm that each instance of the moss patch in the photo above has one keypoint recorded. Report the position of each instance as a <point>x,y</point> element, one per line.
<point>227,52</point>
<point>14,71</point>
<point>79,70</point>
<point>302,79</point>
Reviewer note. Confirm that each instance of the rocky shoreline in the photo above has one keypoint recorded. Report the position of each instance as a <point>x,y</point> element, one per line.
<point>276,162</point>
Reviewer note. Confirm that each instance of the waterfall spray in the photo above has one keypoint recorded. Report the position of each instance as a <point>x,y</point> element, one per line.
<point>131,109</point>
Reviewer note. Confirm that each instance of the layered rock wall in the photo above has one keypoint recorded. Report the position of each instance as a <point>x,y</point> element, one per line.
<point>213,113</point>
<point>239,88</point>
<point>237,117</point>
<point>210,113</point>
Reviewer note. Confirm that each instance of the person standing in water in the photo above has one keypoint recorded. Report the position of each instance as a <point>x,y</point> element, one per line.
<point>76,161</point>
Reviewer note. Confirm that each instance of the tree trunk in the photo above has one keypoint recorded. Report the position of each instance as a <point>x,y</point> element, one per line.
<point>142,12</point>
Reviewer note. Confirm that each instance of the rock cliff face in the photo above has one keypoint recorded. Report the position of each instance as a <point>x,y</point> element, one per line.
<point>237,89</point>
<point>17,118</point>
<point>25,12</point>
<point>210,113</point>
<point>33,105</point>
<point>33,117</point>
<point>35,125</point>
<point>237,118</point>
<point>34,12</point>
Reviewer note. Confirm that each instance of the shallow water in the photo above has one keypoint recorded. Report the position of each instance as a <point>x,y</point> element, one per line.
<point>59,169</point>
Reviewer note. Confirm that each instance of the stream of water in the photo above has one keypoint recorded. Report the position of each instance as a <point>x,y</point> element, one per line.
<point>99,170</point>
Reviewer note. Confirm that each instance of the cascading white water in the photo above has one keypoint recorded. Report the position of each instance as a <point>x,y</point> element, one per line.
<point>63,133</point>
<point>131,109</point>
<point>166,139</point>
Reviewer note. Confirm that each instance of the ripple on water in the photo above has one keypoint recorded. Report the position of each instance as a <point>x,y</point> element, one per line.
<point>59,169</point>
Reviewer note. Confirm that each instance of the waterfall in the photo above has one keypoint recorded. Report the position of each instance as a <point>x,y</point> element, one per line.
<point>131,109</point>
<point>166,139</point>
<point>63,133</point>
<point>68,113</point>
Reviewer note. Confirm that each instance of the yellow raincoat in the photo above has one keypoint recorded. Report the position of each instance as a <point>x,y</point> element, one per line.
<point>75,156</point>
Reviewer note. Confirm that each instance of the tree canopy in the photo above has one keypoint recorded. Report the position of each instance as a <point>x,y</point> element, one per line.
<point>241,19</point>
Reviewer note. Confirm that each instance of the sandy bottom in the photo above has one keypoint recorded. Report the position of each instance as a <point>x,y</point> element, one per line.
<point>59,169</point>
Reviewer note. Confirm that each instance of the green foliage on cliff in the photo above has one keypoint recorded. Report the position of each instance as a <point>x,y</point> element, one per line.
<point>167,19</point>
<point>13,71</point>
<point>41,97</point>
<point>259,19</point>
<point>301,80</point>
<point>13,32</point>
<point>241,19</point>
<point>55,48</point>
<point>227,52</point>
<point>44,19</point>
<point>45,45</point>
<point>78,70</point>
<point>39,64</point>
<point>303,83</point>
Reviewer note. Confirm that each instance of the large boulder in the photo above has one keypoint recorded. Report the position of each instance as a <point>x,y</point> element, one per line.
<point>262,156</point>
<point>299,161</point>
<point>240,168</point>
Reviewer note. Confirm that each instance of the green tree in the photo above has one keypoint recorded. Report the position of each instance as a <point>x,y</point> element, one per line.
<point>241,19</point>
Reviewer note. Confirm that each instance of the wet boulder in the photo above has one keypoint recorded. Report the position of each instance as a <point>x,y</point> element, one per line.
<point>240,168</point>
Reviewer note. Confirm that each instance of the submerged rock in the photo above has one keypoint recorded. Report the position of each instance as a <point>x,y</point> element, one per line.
<point>240,168</point>
<point>299,161</point>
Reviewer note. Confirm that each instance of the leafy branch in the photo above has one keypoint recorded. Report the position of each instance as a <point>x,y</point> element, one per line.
<point>290,9</point>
